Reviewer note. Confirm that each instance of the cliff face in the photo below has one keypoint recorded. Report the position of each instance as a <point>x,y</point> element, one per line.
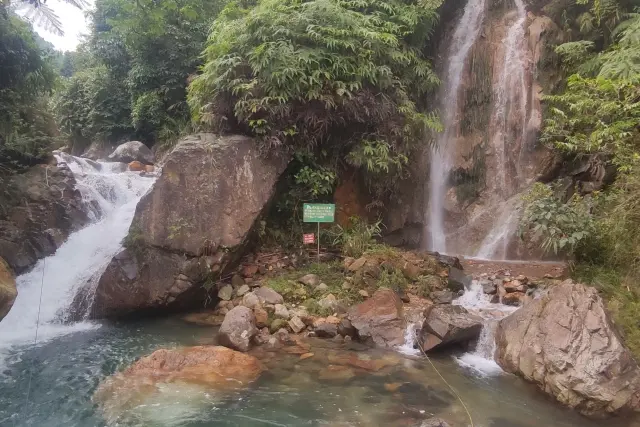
<point>465,197</point>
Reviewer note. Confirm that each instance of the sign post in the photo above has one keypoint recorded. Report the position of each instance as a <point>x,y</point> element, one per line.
<point>318,212</point>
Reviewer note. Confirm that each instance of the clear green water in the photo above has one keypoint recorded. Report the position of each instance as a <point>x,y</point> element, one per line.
<point>65,372</point>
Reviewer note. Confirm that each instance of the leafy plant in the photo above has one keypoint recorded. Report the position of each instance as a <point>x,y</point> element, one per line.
<point>357,237</point>
<point>555,225</point>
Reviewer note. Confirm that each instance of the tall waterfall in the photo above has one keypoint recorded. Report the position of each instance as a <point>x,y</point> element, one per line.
<point>110,194</point>
<point>464,37</point>
<point>508,124</point>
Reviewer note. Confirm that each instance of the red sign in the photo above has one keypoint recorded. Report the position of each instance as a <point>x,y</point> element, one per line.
<point>308,239</point>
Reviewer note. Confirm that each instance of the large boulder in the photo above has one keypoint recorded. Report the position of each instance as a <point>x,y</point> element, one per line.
<point>566,343</point>
<point>192,227</point>
<point>39,209</point>
<point>380,319</point>
<point>446,325</point>
<point>8,291</point>
<point>238,328</point>
<point>214,368</point>
<point>132,151</point>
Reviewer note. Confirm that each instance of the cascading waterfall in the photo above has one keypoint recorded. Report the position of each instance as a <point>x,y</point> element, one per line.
<point>508,124</point>
<point>464,38</point>
<point>110,194</point>
<point>476,301</point>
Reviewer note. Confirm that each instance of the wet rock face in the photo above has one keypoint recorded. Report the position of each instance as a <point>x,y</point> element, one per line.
<point>446,325</point>
<point>8,291</point>
<point>40,208</point>
<point>132,151</point>
<point>380,318</point>
<point>566,344</point>
<point>194,224</point>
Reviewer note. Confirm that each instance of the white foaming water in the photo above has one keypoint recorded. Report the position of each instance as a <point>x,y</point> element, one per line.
<point>464,37</point>
<point>410,337</point>
<point>476,301</point>
<point>510,107</point>
<point>110,196</point>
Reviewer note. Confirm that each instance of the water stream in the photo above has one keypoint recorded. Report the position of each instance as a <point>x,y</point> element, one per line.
<point>464,37</point>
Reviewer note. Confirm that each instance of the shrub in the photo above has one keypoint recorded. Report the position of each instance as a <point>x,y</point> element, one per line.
<point>357,237</point>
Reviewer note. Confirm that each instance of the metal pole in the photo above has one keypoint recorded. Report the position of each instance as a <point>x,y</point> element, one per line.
<point>318,243</point>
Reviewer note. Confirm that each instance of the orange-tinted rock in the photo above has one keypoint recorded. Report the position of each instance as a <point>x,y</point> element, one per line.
<point>514,298</point>
<point>149,168</point>
<point>380,318</point>
<point>8,291</point>
<point>136,166</point>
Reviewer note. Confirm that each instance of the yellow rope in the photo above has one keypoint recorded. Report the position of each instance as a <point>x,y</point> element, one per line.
<point>448,385</point>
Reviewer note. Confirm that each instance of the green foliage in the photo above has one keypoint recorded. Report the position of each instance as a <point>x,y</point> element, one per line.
<point>393,279</point>
<point>336,75</point>
<point>355,239</point>
<point>596,116</point>
<point>557,226</point>
<point>319,181</point>
<point>27,130</point>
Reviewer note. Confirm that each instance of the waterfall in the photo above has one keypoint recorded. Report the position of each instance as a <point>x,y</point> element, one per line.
<point>110,195</point>
<point>508,126</point>
<point>410,338</point>
<point>481,359</point>
<point>464,38</point>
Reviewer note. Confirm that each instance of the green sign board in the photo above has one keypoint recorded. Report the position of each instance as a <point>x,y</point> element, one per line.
<point>318,212</point>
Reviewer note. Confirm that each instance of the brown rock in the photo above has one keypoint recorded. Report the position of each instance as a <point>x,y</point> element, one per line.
<point>214,367</point>
<point>306,356</point>
<point>347,262</point>
<point>8,291</point>
<point>266,295</point>
<point>238,328</point>
<point>136,166</point>
<point>262,317</point>
<point>296,324</point>
<point>410,270</point>
<point>514,286</point>
<point>565,343</point>
<point>149,168</point>
<point>380,318</point>
<point>357,264</point>
<point>249,270</point>
<point>336,372</point>
<point>445,325</point>
<point>196,218</point>
<point>515,299</point>
<point>326,330</point>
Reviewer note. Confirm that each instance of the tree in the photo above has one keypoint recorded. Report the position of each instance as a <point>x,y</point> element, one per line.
<point>39,13</point>
<point>332,75</point>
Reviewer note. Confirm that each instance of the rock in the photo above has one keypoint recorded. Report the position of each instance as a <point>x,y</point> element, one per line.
<point>363,293</point>
<point>250,270</point>
<point>347,262</point>
<point>39,208</point>
<point>515,299</point>
<point>238,328</point>
<point>262,317</point>
<point>380,319</point>
<point>445,325</point>
<point>311,280</point>
<point>267,295</point>
<point>566,344</point>
<point>97,150</point>
<point>132,151</point>
<point>442,297</point>
<point>488,287</point>
<point>514,286</point>
<point>434,422</point>
<point>217,368</point>
<point>196,221</point>
<point>278,324</point>
<point>458,281</point>
<point>250,300</point>
<point>336,372</point>
<point>326,330</point>
<point>237,281</point>
<point>136,166</point>
<point>225,293</point>
<point>281,311</point>
<point>357,264</point>
<point>8,291</point>
<point>330,302</point>
<point>242,290</point>
<point>296,324</point>
<point>346,329</point>
<point>411,271</point>
<point>149,168</point>
<point>322,287</point>
<point>306,356</point>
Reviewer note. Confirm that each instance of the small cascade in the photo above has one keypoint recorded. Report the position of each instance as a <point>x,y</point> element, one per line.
<point>110,195</point>
<point>476,301</point>
<point>410,338</point>
<point>464,38</point>
<point>496,242</point>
